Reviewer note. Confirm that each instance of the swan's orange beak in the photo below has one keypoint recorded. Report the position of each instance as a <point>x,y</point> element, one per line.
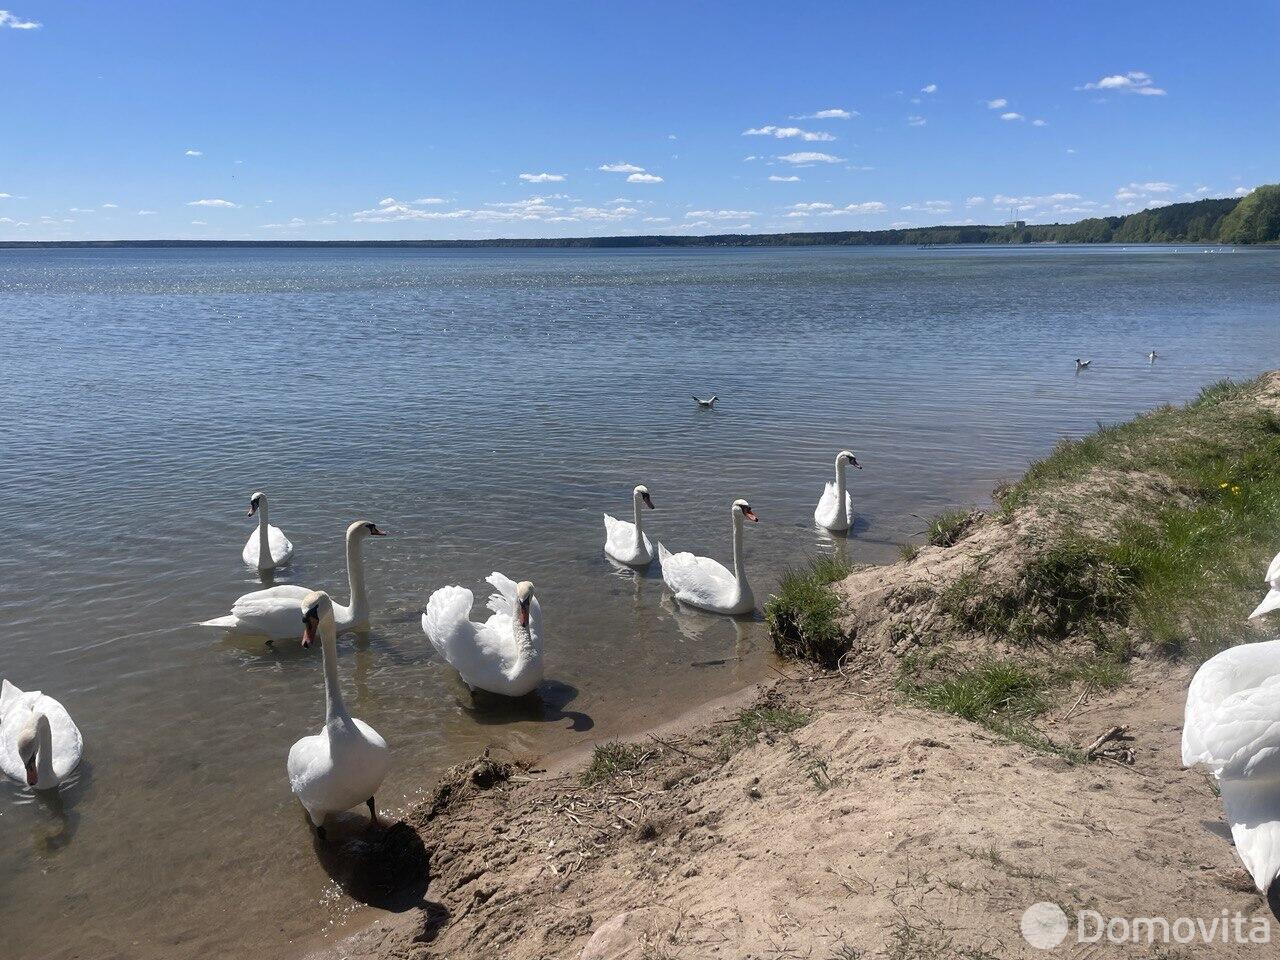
<point>32,776</point>
<point>522,614</point>
<point>751,515</point>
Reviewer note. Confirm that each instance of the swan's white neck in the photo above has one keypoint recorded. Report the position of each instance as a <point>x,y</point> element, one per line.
<point>842,511</point>
<point>637,506</point>
<point>355,579</point>
<point>44,752</point>
<point>264,540</point>
<point>528,647</point>
<point>334,708</point>
<point>739,568</point>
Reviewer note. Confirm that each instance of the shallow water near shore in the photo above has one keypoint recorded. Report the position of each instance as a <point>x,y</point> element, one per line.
<point>484,407</point>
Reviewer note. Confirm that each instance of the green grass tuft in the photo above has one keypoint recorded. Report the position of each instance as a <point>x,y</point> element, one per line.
<point>803,616</point>
<point>950,527</point>
<point>611,760</point>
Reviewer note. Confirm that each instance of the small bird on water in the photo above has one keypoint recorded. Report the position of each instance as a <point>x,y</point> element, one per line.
<point>706,404</point>
<point>1151,357</point>
<point>1082,364</point>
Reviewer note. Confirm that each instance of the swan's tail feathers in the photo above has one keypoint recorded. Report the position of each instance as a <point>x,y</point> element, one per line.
<point>1253,810</point>
<point>228,622</point>
<point>663,552</point>
<point>446,615</point>
<point>1270,602</point>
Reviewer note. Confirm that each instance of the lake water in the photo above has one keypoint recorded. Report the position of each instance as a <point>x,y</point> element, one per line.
<point>484,407</point>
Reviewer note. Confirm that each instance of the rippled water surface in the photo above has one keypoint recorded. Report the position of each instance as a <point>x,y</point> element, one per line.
<point>484,407</point>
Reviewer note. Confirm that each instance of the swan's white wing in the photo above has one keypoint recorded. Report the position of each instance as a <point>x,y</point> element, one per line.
<point>8,696</point>
<point>1252,807</point>
<point>275,613</point>
<point>250,553</point>
<point>1232,722</point>
<point>281,548</point>
<point>1273,572</point>
<point>826,510</point>
<point>1270,602</point>
<point>446,621</point>
<point>504,600</point>
<point>620,539</point>
<point>697,580</point>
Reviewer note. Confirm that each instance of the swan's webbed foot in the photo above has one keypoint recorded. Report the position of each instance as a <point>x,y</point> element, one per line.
<point>373,813</point>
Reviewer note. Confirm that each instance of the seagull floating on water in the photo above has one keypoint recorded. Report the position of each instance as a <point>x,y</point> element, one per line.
<point>707,404</point>
<point>1082,364</point>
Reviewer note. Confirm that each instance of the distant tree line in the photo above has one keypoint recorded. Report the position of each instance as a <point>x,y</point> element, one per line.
<point>1254,218</point>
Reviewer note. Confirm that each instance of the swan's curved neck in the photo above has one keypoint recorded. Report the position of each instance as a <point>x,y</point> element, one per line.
<point>264,540</point>
<point>44,750</point>
<point>840,489</point>
<point>739,568</point>
<point>334,708</point>
<point>527,640</point>
<point>636,508</point>
<point>355,580</point>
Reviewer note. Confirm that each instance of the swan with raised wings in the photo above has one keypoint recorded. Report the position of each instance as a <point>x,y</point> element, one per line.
<point>344,764</point>
<point>704,583</point>
<point>835,508</point>
<point>1232,727</point>
<point>626,542</point>
<point>273,613</point>
<point>1272,600</point>
<point>267,547</point>
<point>39,742</point>
<point>503,655</point>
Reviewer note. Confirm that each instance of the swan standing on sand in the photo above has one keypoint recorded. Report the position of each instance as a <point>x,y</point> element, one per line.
<point>39,742</point>
<point>835,508</point>
<point>503,655</point>
<point>1082,364</point>
<point>1272,600</point>
<point>704,583</point>
<point>267,547</point>
<point>626,542</point>
<point>273,613</point>
<point>706,404</point>
<point>344,764</point>
<point>1232,726</point>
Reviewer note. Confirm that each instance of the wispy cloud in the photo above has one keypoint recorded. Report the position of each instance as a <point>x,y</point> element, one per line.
<point>1135,81</point>
<point>644,178</point>
<point>997,103</point>
<point>429,200</point>
<point>1039,123</point>
<point>831,210</point>
<point>1027,203</point>
<point>542,177</point>
<point>14,22</point>
<point>928,206</point>
<point>1012,116</point>
<point>199,223</point>
<point>194,153</point>
<point>620,168</point>
<point>1135,192</point>
<point>929,88</point>
<point>146,213</point>
<point>809,156</point>
<point>212,203</point>
<point>835,113</point>
<point>787,133</point>
<point>974,201</point>
<point>777,179</point>
<point>915,121</point>
<point>721,214</point>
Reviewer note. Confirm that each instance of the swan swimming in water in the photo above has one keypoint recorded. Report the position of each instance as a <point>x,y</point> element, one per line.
<point>708,403</point>
<point>626,542</point>
<point>1082,364</point>
<point>1232,726</point>
<point>835,508</point>
<point>503,655</point>
<point>273,613</point>
<point>39,742</point>
<point>345,763</point>
<point>267,547</point>
<point>1272,600</point>
<point>704,583</point>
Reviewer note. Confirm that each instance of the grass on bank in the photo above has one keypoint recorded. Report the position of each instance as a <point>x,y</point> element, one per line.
<point>611,760</point>
<point>803,616</point>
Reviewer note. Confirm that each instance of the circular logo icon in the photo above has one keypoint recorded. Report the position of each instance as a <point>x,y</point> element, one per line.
<point>1044,925</point>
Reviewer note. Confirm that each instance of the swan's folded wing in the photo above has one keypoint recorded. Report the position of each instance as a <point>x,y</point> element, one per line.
<point>281,548</point>
<point>8,695</point>
<point>446,621</point>
<point>618,534</point>
<point>826,503</point>
<point>250,552</point>
<point>697,579</point>
<point>1273,571</point>
<point>1236,736</point>
<point>274,612</point>
<point>1270,602</point>
<point>504,600</point>
<point>68,745</point>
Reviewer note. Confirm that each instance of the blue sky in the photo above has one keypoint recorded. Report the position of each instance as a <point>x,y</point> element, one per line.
<point>415,119</point>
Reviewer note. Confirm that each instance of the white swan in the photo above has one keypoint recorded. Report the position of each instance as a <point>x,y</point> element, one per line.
<point>267,547</point>
<point>502,655</point>
<point>273,613</point>
<point>707,404</point>
<point>835,508</point>
<point>1082,364</point>
<point>1232,726</point>
<point>344,764</point>
<point>701,582</point>
<point>1272,600</point>
<point>626,542</point>
<point>39,742</point>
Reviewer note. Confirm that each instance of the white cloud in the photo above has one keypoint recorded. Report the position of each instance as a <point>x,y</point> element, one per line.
<point>542,177</point>
<point>929,206</point>
<point>929,88</point>
<point>429,200</point>
<point>1039,123</point>
<point>997,103</point>
<point>657,219</point>
<point>644,178</point>
<point>835,113</point>
<point>831,210</point>
<point>1242,191</point>
<point>146,213</point>
<point>194,153</point>
<point>974,201</point>
<point>1135,81</point>
<point>1137,191</point>
<point>387,202</point>
<point>212,203</point>
<point>809,156</point>
<point>79,210</point>
<point>620,168</point>
<point>1153,204</point>
<point>198,223</point>
<point>722,214</point>
<point>109,206</point>
<point>1012,116</point>
<point>777,179</point>
<point>5,196</point>
<point>786,133</point>
<point>914,121</point>
<point>13,22</point>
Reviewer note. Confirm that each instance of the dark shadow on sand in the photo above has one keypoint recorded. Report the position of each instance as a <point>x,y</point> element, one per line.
<point>382,866</point>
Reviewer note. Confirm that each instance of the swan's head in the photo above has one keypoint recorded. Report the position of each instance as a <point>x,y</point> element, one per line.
<point>742,508</point>
<point>28,748</point>
<point>846,456</point>
<point>524,597</point>
<point>363,528</point>
<point>643,493</point>
<point>315,606</point>
<point>255,502</point>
